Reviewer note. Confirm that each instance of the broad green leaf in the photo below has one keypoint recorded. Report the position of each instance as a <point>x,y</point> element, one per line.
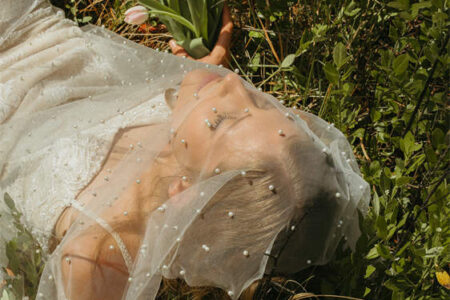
<point>383,251</point>
<point>400,64</point>
<point>401,4</point>
<point>288,61</point>
<point>86,19</point>
<point>397,285</point>
<point>373,253</point>
<point>196,47</point>
<point>376,204</point>
<point>381,227</point>
<point>255,61</point>
<point>418,6</point>
<point>340,57</point>
<point>256,34</point>
<point>331,73</point>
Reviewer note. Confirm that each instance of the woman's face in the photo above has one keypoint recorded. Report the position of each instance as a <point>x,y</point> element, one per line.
<point>220,124</point>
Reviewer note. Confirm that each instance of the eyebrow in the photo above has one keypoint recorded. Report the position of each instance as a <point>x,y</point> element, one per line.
<point>239,120</point>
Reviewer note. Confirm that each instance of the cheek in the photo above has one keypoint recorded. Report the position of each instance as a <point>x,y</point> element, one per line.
<point>198,141</point>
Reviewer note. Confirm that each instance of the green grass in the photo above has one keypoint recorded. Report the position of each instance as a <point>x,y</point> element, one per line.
<point>378,71</point>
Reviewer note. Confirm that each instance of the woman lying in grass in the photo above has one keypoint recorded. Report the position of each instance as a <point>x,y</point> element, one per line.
<point>130,166</point>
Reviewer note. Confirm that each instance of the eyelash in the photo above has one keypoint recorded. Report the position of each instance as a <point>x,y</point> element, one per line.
<point>222,117</point>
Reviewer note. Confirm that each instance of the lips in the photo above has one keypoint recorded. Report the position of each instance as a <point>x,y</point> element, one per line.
<point>207,79</point>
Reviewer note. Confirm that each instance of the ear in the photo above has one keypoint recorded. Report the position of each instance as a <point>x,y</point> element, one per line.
<point>177,186</point>
<point>170,97</point>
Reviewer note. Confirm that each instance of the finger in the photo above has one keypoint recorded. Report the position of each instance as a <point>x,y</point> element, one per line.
<point>227,22</point>
<point>177,49</point>
<point>222,46</point>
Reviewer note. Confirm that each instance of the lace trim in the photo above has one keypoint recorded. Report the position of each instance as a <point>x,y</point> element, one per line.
<point>123,249</point>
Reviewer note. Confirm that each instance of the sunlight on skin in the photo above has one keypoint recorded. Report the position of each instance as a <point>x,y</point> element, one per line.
<point>247,131</point>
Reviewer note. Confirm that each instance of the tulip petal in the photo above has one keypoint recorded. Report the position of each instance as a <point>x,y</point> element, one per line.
<point>138,8</point>
<point>136,18</point>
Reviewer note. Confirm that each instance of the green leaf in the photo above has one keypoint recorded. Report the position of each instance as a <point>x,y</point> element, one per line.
<point>177,18</point>
<point>376,204</point>
<point>256,34</point>
<point>7,296</point>
<point>373,253</point>
<point>418,6</point>
<point>161,10</point>
<point>402,180</point>
<point>288,61</point>
<point>348,72</point>
<point>195,47</point>
<point>369,270</point>
<point>437,137</point>
<point>400,5</point>
<point>434,252</point>
<point>340,57</point>
<point>86,19</point>
<point>255,61</point>
<point>350,10</point>
<point>9,202</point>
<point>383,251</point>
<point>408,145</point>
<point>304,43</point>
<point>381,227</point>
<point>397,285</point>
<point>174,4</point>
<point>400,64</point>
<point>199,17</point>
<point>393,32</point>
<point>331,73</point>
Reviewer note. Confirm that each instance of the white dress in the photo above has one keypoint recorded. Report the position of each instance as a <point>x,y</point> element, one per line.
<point>48,63</point>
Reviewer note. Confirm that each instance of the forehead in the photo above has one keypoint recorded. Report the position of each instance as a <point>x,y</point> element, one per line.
<point>263,135</point>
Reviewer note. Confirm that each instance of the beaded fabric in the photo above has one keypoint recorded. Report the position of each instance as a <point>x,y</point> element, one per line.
<point>180,201</point>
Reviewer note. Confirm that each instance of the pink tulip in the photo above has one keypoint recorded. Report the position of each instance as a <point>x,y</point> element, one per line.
<point>136,15</point>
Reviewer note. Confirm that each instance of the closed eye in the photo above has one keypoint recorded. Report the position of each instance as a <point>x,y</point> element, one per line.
<point>221,117</point>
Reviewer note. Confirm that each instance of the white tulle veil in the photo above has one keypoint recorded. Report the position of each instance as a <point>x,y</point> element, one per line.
<point>206,234</point>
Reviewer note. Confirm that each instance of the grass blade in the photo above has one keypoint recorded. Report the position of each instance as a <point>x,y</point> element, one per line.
<point>177,18</point>
<point>196,9</point>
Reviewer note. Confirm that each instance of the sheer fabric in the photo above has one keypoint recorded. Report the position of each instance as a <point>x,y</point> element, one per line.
<point>66,93</point>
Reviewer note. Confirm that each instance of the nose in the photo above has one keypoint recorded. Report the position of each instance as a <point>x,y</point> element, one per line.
<point>233,84</point>
<point>232,78</point>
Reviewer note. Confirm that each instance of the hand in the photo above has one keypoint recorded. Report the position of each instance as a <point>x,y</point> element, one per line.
<point>220,54</point>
